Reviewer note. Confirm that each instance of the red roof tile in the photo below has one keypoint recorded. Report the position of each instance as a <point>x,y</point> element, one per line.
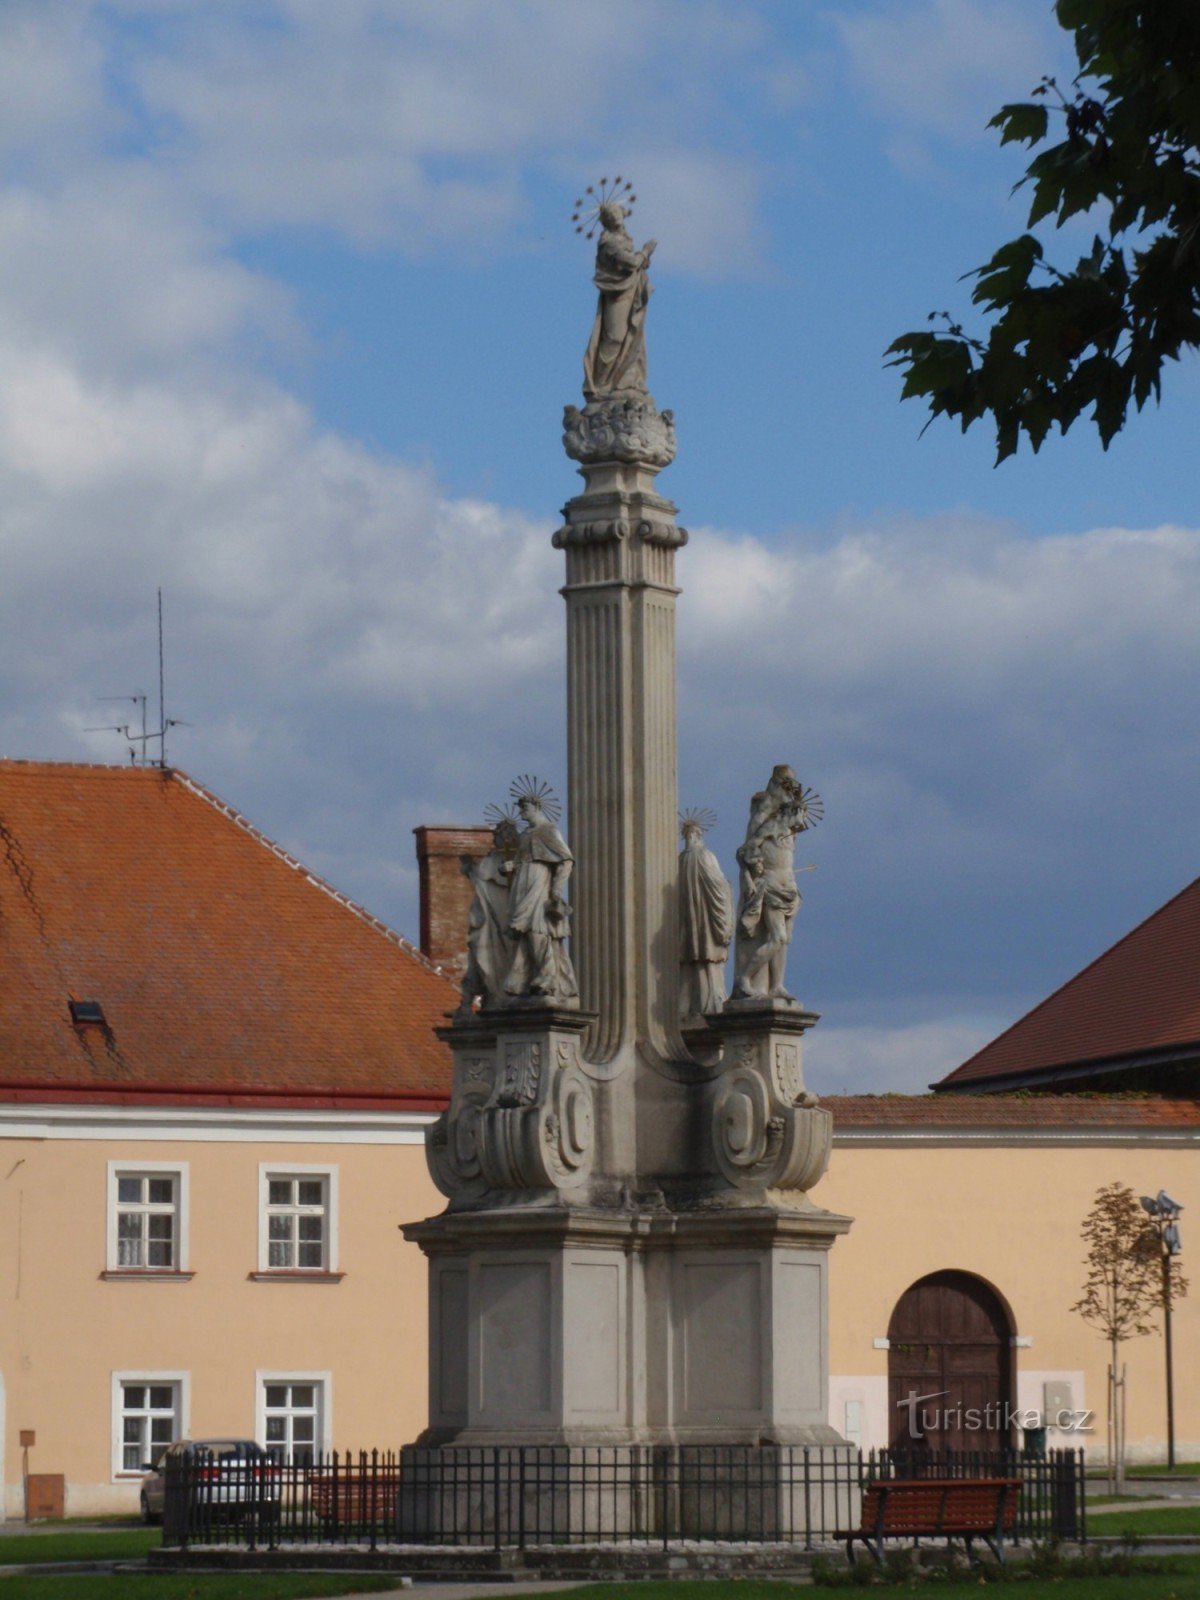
<point>1095,1111</point>
<point>1142,995</point>
<point>223,967</point>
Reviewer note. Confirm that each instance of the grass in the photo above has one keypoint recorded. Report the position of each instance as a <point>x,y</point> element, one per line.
<point>1183,1469</point>
<point>192,1585</point>
<point>1121,1519</point>
<point>122,1544</point>
<point>1183,1584</point>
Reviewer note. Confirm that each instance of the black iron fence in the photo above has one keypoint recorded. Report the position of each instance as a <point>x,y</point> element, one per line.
<point>520,1496</point>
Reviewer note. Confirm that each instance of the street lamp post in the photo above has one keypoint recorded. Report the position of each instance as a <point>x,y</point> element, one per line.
<point>1164,1218</point>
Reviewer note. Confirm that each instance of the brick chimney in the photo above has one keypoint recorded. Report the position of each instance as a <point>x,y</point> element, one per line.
<point>445,893</point>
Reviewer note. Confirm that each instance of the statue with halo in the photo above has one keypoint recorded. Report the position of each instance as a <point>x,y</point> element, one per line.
<point>539,918</point>
<point>615,359</point>
<point>620,421</point>
<point>769,897</point>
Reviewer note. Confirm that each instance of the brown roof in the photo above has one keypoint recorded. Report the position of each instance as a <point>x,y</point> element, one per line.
<point>224,968</point>
<point>1141,996</point>
<point>1096,1111</point>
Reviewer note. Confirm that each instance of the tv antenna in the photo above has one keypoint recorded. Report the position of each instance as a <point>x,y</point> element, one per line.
<point>140,743</point>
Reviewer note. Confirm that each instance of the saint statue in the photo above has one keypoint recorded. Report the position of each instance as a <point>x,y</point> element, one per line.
<point>539,918</point>
<point>769,899</point>
<point>705,923</point>
<point>615,360</point>
<point>489,943</point>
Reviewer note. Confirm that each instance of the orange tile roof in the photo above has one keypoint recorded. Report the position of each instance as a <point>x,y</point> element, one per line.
<point>1082,1111</point>
<point>224,968</point>
<point>1140,996</point>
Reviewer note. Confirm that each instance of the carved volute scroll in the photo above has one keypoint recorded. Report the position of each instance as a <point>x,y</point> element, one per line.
<point>767,1130</point>
<point>521,1113</point>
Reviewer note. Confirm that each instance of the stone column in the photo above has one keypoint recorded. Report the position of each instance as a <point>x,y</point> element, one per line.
<point>620,538</point>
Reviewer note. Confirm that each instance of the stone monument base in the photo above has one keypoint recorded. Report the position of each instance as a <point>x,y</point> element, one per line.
<point>553,1324</point>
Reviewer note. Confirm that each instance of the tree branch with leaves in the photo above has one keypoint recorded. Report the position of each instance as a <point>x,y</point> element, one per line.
<point>1095,336</point>
<point>1122,1292</point>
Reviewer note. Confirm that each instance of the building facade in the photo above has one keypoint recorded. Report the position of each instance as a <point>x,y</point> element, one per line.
<point>215,1079</point>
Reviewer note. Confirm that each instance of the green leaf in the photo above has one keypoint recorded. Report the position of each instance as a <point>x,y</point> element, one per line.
<point>1008,436</point>
<point>1021,124</point>
<point>1008,271</point>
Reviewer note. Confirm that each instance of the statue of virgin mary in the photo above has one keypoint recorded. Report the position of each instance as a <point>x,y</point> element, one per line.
<point>615,360</point>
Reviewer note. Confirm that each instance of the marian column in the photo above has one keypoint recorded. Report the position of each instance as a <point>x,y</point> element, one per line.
<point>629,1255</point>
<point>620,537</point>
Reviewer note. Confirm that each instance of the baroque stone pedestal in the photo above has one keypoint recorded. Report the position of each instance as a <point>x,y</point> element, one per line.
<point>521,1116</point>
<point>569,1309</point>
<point>768,1131</point>
<point>552,1324</point>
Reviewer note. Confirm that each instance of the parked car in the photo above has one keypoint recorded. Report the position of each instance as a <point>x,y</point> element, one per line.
<point>222,1477</point>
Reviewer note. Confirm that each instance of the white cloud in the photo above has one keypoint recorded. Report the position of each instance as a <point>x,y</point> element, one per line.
<point>942,67</point>
<point>112,270</point>
<point>412,125</point>
<point>51,85</point>
<point>903,1060</point>
<point>360,651</point>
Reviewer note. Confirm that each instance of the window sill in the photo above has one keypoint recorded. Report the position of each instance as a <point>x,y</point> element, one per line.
<point>295,1275</point>
<point>146,1275</point>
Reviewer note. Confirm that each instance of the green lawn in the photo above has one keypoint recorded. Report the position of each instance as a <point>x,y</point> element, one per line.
<point>1181,1585</point>
<point>1170,1519</point>
<point>192,1585</point>
<point>57,1544</point>
<point>1185,1469</point>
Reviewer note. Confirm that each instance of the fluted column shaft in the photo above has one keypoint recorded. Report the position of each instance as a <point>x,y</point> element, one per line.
<point>620,539</point>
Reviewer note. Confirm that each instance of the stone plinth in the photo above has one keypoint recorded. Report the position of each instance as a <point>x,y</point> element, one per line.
<point>553,1324</point>
<point>768,1132</point>
<point>521,1117</point>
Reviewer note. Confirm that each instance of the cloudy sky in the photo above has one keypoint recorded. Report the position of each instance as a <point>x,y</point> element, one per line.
<point>289,308</point>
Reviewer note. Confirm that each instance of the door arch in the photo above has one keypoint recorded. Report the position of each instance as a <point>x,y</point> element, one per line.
<point>950,1365</point>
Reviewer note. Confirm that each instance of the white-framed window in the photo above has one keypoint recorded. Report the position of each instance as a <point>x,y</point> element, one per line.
<point>147,1216</point>
<point>149,1412</point>
<point>297,1221</point>
<point>293,1414</point>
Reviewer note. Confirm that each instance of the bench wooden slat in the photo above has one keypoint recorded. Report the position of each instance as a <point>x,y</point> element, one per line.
<point>914,1508</point>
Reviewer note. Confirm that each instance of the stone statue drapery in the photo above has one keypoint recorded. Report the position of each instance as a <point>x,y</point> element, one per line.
<point>768,899</point>
<point>615,359</point>
<point>489,943</point>
<point>705,926</point>
<point>538,915</point>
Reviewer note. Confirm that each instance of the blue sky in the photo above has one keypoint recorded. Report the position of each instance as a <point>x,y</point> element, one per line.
<point>290,305</point>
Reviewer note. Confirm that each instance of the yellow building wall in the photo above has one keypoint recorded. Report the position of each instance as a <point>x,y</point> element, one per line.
<point>64,1329</point>
<point>1010,1214</point>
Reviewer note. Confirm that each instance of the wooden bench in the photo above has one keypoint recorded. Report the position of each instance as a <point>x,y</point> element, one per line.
<point>936,1508</point>
<point>353,1497</point>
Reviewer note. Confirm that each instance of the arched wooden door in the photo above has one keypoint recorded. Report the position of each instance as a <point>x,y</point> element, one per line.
<point>950,1365</point>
